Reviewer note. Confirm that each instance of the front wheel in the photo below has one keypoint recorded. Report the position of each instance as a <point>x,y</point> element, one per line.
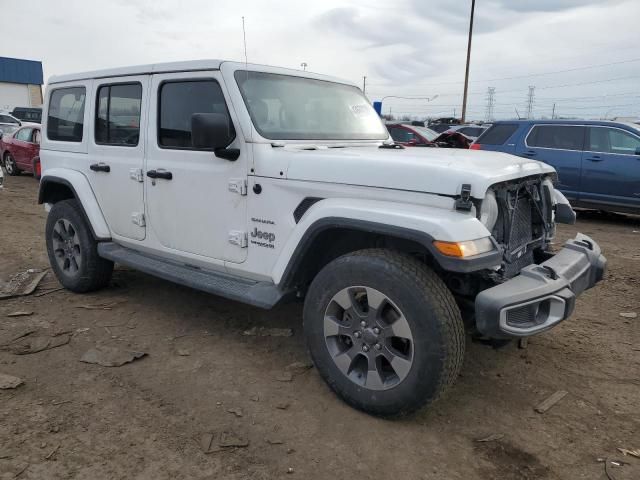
<point>383,331</point>
<point>72,250</point>
<point>10,165</point>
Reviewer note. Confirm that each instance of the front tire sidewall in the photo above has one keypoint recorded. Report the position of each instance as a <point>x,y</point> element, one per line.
<point>84,279</point>
<point>425,379</point>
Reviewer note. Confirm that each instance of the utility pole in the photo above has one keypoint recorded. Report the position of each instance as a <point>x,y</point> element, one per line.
<point>466,72</point>
<point>553,112</point>
<point>530,98</point>
<point>490,102</point>
<point>364,84</point>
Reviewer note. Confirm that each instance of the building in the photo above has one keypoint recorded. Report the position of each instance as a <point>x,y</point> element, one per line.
<point>20,83</point>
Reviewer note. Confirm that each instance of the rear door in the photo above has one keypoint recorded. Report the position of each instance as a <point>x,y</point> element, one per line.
<point>611,167</point>
<point>116,152</point>
<point>559,146</point>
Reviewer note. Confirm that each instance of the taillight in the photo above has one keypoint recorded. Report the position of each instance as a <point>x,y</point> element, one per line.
<point>475,146</point>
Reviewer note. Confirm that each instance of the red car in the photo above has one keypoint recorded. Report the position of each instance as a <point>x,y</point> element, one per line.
<point>20,151</point>
<point>416,136</point>
<point>412,136</point>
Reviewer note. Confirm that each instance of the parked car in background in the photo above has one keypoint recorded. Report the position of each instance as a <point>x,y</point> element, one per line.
<point>598,162</point>
<point>28,114</point>
<point>8,123</point>
<point>20,151</point>
<point>440,127</point>
<point>415,136</point>
<point>412,135</point>
<point>472,132</point>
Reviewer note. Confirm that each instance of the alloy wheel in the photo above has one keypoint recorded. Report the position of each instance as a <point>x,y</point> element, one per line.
<point>66,247</point>
<point>9,164</point>
<point>368,338</point>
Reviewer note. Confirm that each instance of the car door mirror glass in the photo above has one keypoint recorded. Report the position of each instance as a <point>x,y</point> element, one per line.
<point>211,131</point>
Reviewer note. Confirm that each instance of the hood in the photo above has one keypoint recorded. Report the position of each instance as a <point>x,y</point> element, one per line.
<point>430,170</point>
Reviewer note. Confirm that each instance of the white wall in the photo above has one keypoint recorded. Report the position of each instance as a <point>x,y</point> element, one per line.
<point>14,95</point>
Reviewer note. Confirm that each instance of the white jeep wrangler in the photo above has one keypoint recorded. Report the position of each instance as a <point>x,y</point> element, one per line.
<point>263,184</point>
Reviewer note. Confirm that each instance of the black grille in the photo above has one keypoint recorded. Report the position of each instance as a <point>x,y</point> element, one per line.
<point>522,316</point>
<point>519,234</point>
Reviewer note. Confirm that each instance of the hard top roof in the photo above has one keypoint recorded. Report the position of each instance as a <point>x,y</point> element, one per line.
<point>186,66</point>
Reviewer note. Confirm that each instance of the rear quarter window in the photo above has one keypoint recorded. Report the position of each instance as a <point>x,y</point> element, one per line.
<point>560,137</point>
<point>65,118</point>
<point>497,134</point>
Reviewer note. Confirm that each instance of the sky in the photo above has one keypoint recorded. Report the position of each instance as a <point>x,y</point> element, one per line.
<point>582,56</point>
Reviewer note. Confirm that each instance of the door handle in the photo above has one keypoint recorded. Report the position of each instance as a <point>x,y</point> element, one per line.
<point>100,167</point>
<point>160,173</point>
<point>595,158</point>
<point>530,153</point>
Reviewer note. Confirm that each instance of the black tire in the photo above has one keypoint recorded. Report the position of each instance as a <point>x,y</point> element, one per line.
<point>436,330</point>
<point>10,165</point>
<point>68,235</point>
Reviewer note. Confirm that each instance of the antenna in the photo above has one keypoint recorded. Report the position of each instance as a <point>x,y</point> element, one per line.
<point>244,38</point>
<point>246,69</point>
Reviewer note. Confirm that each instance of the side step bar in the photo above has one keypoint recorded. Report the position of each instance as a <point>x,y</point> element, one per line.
<point>260,294</point>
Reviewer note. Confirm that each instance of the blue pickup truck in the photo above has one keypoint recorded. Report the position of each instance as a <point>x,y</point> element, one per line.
<point>598,163</point>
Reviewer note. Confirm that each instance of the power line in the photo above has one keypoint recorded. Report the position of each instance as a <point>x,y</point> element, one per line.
<point>554,72</point>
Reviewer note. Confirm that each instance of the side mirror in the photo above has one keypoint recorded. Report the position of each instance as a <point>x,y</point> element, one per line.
<point>214,131</point>
<point>211,131</point>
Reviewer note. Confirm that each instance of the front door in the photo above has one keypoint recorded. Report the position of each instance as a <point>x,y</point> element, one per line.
<point>116,152</point>
<point>561,147</point>
<point>21,148</point>
<point>611,167</point>
<point>196,201</point>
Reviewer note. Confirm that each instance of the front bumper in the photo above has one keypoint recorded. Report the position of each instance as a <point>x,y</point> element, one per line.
<point>543,295</point>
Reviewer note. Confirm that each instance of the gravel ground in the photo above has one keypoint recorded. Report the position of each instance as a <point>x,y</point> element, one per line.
<point>203,383</point>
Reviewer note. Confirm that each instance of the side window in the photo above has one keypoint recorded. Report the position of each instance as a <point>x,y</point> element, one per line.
<point>612,140</point>
<point>118,114</point>
<point>66,114</point>
<point>24,134</point>
<point>561,137</point>
<point>497,134</point>
<point>178,101</point>
<point>401,135</point>
<point>8,119</point>
<point>623,142</point>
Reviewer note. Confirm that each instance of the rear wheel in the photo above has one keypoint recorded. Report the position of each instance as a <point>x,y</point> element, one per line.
<point>10,165</point>
<point>72,250</point>
<point>383,331</point>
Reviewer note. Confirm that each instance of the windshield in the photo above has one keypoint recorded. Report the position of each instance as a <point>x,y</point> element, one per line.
<point>284,107</point>
<point>427,133</point>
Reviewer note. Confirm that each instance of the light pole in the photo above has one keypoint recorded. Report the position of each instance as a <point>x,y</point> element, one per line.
<point>304,65</point>
<point>466,73</point>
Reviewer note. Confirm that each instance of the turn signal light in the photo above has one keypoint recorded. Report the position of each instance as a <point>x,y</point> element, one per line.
<point>464,249</point>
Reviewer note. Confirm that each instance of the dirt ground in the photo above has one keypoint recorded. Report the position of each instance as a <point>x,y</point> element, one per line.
<point>146,419</point>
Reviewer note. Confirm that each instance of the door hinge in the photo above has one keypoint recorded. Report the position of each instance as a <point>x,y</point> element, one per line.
<point>138,219</point>
<point>238,185</point>
<point>239,238</point>
<point>136,174</point>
